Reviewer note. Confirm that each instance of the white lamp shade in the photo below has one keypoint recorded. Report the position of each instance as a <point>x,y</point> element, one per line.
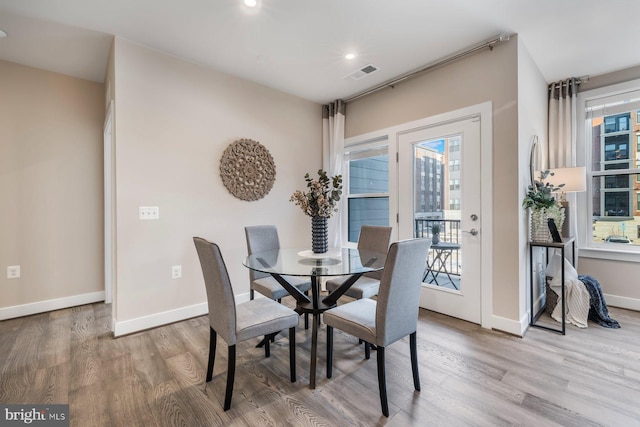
<point>574,179</point>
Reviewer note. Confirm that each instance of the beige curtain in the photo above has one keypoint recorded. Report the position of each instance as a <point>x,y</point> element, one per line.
<point>333,117</point>
<point>563,99</point>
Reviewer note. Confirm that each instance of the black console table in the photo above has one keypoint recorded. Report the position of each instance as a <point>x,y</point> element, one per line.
<point>551,245</point>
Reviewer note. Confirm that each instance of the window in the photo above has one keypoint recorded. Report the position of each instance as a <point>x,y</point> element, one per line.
<point>367,185</point>
<point>612,155</point>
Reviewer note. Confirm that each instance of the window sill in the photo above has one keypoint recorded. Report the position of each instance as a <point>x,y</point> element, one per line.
<point>628,255</point>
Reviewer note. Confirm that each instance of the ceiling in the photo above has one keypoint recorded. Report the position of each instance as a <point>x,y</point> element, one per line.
<point>298,46</point>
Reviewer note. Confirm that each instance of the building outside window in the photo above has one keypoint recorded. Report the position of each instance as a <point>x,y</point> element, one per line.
<point>431,180</point>
<point>612,146</point>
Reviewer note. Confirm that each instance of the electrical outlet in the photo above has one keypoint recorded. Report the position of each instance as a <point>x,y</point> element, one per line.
<point>13,272</point>
<point>149,212</point>
<point>176,272</point>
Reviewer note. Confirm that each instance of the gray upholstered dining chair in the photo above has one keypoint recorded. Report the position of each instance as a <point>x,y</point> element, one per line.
<point>393,316</point>
<point>263,238</point>
<point>373,238</point>
<point>236,323</point>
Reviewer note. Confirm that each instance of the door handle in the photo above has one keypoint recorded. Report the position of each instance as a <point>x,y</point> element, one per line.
<point>473,232</point>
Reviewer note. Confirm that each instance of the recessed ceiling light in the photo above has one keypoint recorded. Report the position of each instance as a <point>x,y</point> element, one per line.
<point>350,55</point>
<point>251,3</point>
<point>2,34</point>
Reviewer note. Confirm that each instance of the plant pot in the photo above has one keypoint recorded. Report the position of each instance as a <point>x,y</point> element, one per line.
<point>539,222</point>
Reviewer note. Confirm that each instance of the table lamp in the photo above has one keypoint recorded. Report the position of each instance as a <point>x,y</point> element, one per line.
<point>575,181</point>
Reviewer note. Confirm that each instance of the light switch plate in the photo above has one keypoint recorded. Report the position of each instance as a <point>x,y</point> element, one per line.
<point>13,272</point>
<point>149,212</point>
<point>176,272</point>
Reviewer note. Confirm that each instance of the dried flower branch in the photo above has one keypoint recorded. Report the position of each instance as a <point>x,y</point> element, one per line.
<point>322,196</point>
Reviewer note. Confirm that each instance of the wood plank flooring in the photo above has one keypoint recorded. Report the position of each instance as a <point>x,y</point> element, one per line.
<point>470,376</point>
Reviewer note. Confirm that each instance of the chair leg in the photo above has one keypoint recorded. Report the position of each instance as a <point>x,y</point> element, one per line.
<point>329,351</point>
<point>382,383</point>
<point>367,350</point>
<point>212,352</point>
<point>292,353</point>
<point>414,361</point>
<point>267,345</point>
<point>251,294</point>
<point>231,373</point>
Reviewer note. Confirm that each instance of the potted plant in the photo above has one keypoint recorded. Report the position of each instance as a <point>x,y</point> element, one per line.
<point>543,206</point>
<point>435,233</point>
<point>319,202</point>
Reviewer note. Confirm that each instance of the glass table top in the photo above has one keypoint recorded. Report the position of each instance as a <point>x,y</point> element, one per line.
<point>301,262</point>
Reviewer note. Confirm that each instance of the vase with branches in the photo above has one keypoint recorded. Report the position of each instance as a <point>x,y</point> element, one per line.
<point>320,202</point>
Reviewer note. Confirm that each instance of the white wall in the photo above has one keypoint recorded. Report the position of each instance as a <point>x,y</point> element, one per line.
<point>532,120</point>
<point>173,121</point>
<point>50,190</point>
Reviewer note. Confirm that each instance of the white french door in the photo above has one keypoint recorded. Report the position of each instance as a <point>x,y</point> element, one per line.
<point>439,192</point>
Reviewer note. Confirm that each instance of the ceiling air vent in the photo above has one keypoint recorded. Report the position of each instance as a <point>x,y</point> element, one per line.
<point>364,71</point>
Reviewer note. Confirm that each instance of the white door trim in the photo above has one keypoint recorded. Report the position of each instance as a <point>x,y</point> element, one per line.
<point>109,259</point>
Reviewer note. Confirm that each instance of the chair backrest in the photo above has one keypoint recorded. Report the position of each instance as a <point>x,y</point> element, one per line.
<point>261,238</point>
<point>375,238</point>
<point>399,294</point>
<point>222,305</point>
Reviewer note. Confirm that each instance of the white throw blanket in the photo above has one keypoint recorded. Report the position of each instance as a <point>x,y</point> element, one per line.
<point>577,295</point>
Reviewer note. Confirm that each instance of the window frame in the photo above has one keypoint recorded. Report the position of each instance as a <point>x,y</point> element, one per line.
<point>360,150</point>
<point>587,246</point>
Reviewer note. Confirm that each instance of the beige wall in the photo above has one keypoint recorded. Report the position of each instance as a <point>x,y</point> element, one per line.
<point>485,76</point>
<point>50,185</point>
<point>612,78</point>
<point>618,279</point>
<point>173,121</point>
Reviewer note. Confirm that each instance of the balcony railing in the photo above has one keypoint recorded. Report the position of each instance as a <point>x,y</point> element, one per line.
<point>449,232</point>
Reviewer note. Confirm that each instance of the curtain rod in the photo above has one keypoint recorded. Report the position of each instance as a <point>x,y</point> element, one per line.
<point>577,80</point>
<point>488,44</point>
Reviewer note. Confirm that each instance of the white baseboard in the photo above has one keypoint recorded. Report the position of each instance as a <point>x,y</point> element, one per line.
<point>622,302</point>
<point>509,326</point>
<point>164,318</point>
<point>50,305</point>
<point>158,319</point>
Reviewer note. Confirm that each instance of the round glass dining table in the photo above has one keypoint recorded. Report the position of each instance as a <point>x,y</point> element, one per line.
<point>300,262</point>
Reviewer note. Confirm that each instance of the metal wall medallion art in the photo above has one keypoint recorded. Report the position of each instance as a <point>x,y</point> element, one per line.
<point>247,169</point>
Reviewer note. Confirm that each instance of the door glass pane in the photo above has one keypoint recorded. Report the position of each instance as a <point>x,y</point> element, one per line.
<point>437,198</point>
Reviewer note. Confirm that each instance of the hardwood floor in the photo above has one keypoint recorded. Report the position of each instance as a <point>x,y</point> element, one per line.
<point>469,376</point>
